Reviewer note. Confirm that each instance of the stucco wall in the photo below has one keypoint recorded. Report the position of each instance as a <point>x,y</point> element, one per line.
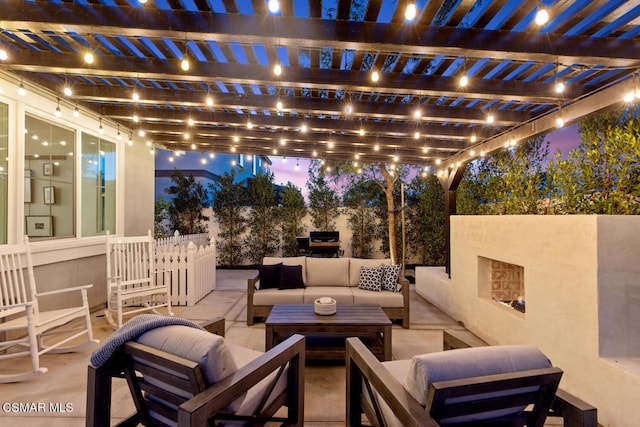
<point>582,279</point>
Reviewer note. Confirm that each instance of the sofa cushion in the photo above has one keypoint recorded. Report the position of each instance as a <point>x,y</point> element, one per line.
<point>356,263</point>
<point>370,279</point>
<point>342,294</point>
<point>209,350</point>
<point>278,296</point>
<point>327,272</point>
<point>269,275</point>
<point>290,277</point>
<point>294,260</point>
<point>383,298</point>
<point>468,363</point>
<point>390,275</point>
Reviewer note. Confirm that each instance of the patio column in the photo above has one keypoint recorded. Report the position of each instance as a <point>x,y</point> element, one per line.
<point>450,180</point>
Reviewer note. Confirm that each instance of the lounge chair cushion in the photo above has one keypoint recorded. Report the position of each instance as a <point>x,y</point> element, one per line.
<point>468,363</point>
<point>209,350</point>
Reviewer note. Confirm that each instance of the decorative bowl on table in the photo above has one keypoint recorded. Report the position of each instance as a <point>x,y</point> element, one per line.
<point>324,306</point>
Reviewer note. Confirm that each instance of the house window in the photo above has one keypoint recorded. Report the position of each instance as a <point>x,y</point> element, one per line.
<point>241,160</point>
<point>4,170</point>
<point>49,179</point>
<point>98,186</point>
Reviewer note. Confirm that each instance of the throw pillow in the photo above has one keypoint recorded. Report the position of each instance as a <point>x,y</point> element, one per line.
<point>390,275</point>
<point>370,279</point>
<point>290,277</point>
<point>269,275</point>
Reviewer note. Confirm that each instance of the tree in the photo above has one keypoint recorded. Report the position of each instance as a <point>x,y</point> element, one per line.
<point>263,238</point>
<point>160,215</point>
<point>189,199</point>
<point>323,201</point>
<point>509,181</point>
<point>229,199</point>
<point>426,222</point>
<point>292,212</point>
<point>359,198</point>
<point>602,175</point>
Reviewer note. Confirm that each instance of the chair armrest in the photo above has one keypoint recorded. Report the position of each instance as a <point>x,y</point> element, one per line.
<point>200,408</point>
<point>576,412</point>
<point>215,325</point>
<point>362,364</point>
<point>60,291</point>
<point>251,284</point>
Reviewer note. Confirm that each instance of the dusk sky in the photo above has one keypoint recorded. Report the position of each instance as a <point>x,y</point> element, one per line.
<point>564,139</point>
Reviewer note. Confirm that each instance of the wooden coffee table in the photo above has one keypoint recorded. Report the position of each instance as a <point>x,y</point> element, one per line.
<point>325,335</point>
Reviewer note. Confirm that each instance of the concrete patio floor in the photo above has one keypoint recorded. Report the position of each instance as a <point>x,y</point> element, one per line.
<point>66,381</point>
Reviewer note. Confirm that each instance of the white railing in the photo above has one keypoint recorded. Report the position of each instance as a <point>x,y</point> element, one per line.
<point>189,269</point>
<point>201,239</point>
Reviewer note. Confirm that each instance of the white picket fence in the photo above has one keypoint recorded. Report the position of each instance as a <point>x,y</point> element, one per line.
<point>189,269</point>
<point>201,239</point>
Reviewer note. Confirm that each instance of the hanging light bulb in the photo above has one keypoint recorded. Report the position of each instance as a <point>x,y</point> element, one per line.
<point>190,121</point>
<point>141,132</point>
<point>303,128</point>
<point>135,118</point>
<point>76,112</point>
<point>274,6</point>
<point>233,148</point>
<point>209,101</point>
<point>349,109</point>
<point>3,55</point>
<point>425,149</point>
<point>361,132</point>
<point>464,81</point>
<point>58,110</point>
<point>473,138</point>
<point>330,144</point>
<point>279,105</point>
<point>193,146</point>
<point>118,134</point>
<point>67,91</point>
<point>236,138</point>
<point>410,12</point>
<point>559,122</point>
<point>249,125</point>
<point>314,153</point>
<point>416,135</point>
<point>277,69</point>
<point>21,90</point>
<point>375,76</point>
<point>135,96</point>
<point>628,97</point>
<point>490,118</point>
<point>438,161</point>
<point>88,57</point>
<point>212,155</point>
<point>283,141</point>
<point>560,87</point>
<point>100,128</point>
<point>184,64</point>
<point>376,147</point>
<point>186,135</point>
<point>542,16</point>
<point>149,145</point>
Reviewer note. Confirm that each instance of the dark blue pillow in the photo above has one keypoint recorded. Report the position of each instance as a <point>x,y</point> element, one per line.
<point>291,277</point>
<point>269,275</point>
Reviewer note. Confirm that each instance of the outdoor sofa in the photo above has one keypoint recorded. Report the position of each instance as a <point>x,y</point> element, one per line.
<point>338,278</point>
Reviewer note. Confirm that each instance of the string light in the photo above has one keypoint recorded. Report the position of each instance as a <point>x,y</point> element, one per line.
<point>490,118</point>
<point>375,76</point>
<point>274,6</point>
<point>59,111</point>
<point>67,91</point>
<point>349,108</point>
<point>303,128</point>
<point>184,64</point>
<point>277,69</point>
<point>209,101</point>
<point>88,57</point>
<point>410,12</point>
<point>76,112</point>
<point>559,122</point>
<point>101,128</point>
<point>135,96</point>
<point>473,138</point>
<point>464,81</point>
<point>416,135</point>
<point>361,131</point>
<point>3,55</point>
<point>279,105</point>
<point>21,90</point>
<point>542,16</point>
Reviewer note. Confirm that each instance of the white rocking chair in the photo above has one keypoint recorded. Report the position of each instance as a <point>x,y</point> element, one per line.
<point>131,279</point>
<point>20,314</point>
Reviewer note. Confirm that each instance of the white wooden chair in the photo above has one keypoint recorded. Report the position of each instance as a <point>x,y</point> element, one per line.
<point>20,315</point>
<point>131,279</point>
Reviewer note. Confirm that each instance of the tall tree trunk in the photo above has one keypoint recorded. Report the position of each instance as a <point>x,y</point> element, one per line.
<point>389,182</point>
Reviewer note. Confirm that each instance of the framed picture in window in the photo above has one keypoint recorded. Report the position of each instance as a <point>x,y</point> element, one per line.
<point>38,225</point>
<point>47,169</point>
<point>49,195</point>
